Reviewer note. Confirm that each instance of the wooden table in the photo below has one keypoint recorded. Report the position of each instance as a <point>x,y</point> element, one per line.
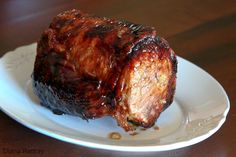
<point>203,32</point>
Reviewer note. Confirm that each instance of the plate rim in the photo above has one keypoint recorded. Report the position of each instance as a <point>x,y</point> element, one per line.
<point>153,148</point>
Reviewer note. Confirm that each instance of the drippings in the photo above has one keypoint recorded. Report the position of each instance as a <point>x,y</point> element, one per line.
<point>133,133</point>
<point>115,136</point>
<point>156,127</point>
<point>143,129</point>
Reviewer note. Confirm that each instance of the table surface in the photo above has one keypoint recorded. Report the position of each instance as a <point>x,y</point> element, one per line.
<point>200,31</point>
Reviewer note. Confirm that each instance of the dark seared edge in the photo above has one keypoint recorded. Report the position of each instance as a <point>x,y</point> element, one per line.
<point>81,58</point>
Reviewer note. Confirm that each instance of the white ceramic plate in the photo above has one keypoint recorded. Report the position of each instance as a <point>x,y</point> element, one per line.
<point>199,110</point>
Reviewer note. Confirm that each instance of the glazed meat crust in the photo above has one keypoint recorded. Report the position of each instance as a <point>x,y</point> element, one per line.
<point>92,66</point>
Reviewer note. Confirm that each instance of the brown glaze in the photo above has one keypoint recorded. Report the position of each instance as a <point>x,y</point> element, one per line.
<point>88,66</point>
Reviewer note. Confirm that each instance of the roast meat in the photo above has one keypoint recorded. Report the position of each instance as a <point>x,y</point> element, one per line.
<point>92,66</point>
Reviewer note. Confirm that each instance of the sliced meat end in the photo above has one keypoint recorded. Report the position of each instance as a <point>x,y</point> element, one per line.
<point>143,90</point>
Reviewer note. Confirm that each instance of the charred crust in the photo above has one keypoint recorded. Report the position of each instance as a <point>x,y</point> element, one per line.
<point>80,59</point>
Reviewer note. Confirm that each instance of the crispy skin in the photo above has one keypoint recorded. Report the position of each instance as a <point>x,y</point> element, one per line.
<point>91,67</point>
